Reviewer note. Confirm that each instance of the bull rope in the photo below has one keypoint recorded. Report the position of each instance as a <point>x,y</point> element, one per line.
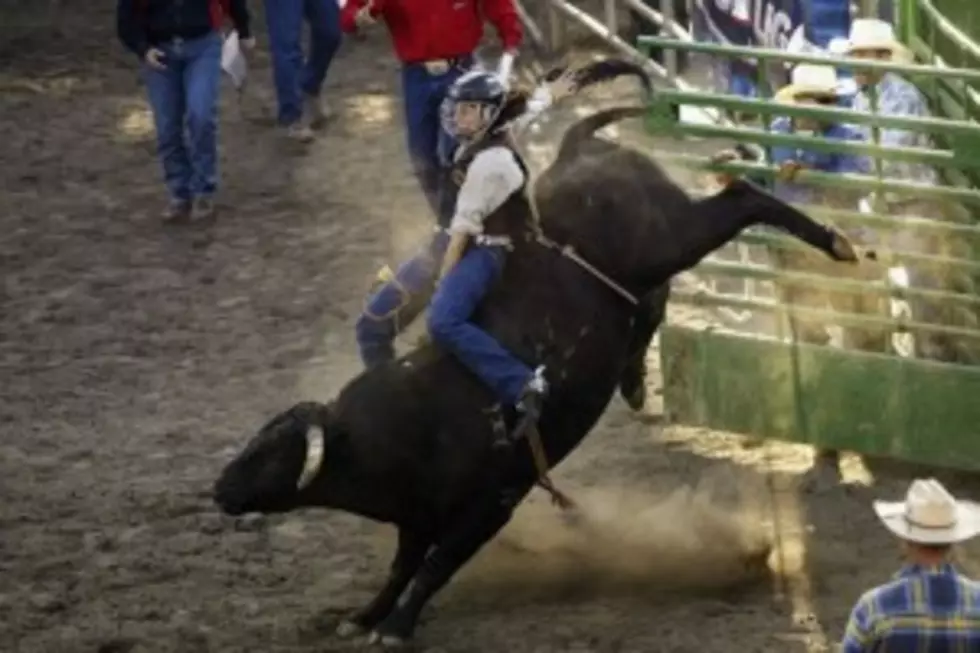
<point>568,251</point>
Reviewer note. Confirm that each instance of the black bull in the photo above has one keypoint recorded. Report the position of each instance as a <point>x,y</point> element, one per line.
<point>410,442</point>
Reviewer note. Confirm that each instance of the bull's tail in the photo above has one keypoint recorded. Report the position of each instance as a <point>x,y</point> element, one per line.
<point>584,129</point>
<point>604,70</point>
<point>596,73</point>
<point>608,69</point>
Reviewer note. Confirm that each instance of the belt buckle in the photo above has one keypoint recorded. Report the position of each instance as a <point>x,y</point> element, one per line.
<point>436,66</point>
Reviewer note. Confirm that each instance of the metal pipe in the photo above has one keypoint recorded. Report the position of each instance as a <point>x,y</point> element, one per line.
<point>730,51</point>
<point>654,16</point>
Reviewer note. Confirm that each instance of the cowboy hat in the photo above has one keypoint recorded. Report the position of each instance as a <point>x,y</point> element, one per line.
<point>875,34</point>
<point>930,515</point>
<point>809,79</point>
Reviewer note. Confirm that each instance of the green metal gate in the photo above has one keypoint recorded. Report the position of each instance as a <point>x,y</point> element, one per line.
<point>890,402</point>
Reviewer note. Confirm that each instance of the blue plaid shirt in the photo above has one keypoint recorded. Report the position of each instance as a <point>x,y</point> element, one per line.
<point>898,97</point>
<point>923,610</point>
<point>837,162</point>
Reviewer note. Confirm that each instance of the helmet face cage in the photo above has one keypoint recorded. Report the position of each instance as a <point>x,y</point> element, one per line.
<point>478,88</point>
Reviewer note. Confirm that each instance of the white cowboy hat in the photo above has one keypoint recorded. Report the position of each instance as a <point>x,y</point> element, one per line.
<point>930,515</point>
<point>809,79</point>
<point>875,34</point>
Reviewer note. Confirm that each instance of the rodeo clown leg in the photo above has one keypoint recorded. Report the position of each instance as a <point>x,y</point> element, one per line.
<point>395,305</point>
<point>455,301</point>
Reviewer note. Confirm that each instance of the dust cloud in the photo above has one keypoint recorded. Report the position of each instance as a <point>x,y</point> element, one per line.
<point>619,541</point>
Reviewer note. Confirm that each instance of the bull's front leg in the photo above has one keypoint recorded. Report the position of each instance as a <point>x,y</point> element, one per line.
<point>412,547</point>
<point>464,537</point>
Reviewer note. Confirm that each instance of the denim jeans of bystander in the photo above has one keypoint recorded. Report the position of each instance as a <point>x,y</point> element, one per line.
<point>296,76</point>
<point>429,146</point>
<point>185,94</point>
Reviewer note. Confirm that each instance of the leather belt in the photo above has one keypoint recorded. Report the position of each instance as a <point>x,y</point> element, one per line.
<point>442,66</point>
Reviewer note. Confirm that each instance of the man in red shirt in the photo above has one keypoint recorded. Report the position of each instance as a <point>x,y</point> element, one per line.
<point>435,40</point>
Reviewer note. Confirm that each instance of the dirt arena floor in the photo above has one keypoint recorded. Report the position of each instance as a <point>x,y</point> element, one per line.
<point>136,358</point>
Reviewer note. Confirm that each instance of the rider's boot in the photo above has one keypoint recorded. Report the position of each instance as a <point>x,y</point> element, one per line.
<point>399,299</point>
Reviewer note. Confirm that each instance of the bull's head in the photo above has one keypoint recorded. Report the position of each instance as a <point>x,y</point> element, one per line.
<point>277,465</point>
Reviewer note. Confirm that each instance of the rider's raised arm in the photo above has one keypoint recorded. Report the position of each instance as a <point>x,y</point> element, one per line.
<point>540,100</point>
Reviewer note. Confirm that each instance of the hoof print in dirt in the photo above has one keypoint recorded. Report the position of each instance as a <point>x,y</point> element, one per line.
<point>48,603</point>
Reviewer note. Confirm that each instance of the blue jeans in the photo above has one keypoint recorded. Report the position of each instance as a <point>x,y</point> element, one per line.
<point>394,306</point>
<point>292,75</point>
<point>185,94</point>
<point>429,145</point>
<point>454,303</point>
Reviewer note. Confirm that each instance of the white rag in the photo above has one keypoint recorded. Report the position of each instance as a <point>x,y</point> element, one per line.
<point>233,60</point>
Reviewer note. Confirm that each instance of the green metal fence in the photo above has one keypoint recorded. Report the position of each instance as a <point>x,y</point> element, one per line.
<point>944,40</point>
<point>903,377</point>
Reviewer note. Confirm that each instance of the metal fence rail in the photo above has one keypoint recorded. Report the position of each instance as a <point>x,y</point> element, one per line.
<point>891,402</point>
<point>817,393</point>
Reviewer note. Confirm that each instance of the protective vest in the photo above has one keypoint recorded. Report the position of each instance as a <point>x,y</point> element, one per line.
<point>512,216</point>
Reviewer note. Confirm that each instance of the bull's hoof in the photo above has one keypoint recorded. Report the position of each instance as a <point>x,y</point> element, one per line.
<point>633,389</point>
<point>395,632</point>
<point>635,395</point>
<point>386,641</point>
<point>347,629</point>
<point>843,249</point>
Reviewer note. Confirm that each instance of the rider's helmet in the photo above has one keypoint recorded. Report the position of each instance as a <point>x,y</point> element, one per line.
<point>472,104</point>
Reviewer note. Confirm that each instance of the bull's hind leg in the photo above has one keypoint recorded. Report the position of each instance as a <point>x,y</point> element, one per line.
<point>461,541</point>
<point>412,547</point>
<point>648,318</point>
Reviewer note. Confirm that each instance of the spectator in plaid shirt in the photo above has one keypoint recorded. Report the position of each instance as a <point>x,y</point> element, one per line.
<point>929,607</point>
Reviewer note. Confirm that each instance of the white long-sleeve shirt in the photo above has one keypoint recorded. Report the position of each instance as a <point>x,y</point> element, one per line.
<point>493,175</point>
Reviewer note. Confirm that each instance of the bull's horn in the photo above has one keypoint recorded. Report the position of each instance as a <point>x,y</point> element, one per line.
<point>314,456</point>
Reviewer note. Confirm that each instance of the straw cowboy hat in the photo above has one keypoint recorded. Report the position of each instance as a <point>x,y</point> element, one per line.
<point>875,34</point>
<point>809,79</point>
<point>930,515</point>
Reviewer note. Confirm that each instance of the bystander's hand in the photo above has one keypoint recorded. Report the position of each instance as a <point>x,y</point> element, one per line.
<point>248,44</point>
<point>725,156</point>
<point>154,58</point>
<point>363,17</point>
